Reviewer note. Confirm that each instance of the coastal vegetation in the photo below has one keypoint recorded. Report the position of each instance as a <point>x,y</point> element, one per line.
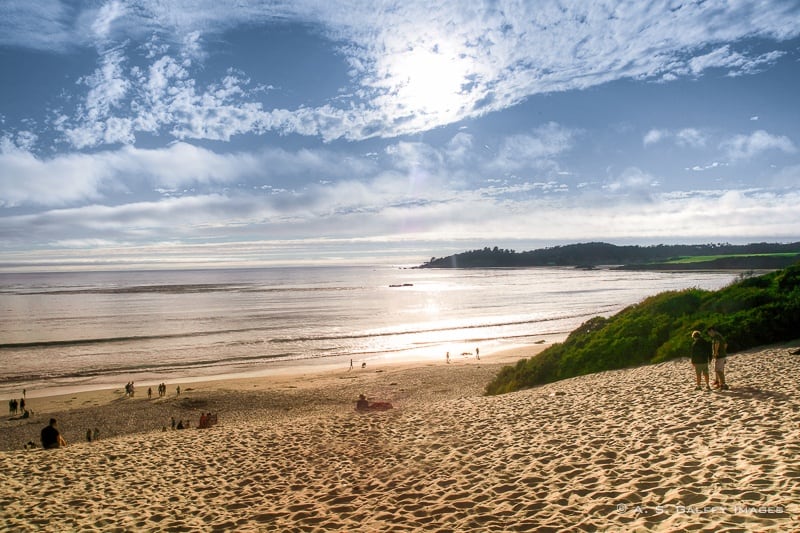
<point>753,311</point>
<point>757,256</point>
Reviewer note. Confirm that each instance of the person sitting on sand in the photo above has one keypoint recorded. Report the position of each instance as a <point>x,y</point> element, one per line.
<point>51,437</point>
<point>207,420</point>
<point>363,405</point>
<point>701,354</point>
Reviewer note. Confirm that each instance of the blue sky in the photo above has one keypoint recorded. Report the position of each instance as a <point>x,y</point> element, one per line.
<point>148,134</point>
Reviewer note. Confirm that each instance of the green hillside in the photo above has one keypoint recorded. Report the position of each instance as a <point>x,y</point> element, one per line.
<point>752,312</point>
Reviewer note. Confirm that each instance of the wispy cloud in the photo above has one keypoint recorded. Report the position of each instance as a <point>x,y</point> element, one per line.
<point>413,65</point>
<point>687,137</point>
<point>738,64</point>
<point>71,178</point>
<point>230,232</point>
<point>748,146</point>
<point>175,128</point>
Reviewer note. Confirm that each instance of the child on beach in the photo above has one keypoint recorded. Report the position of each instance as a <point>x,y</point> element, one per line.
<point>719,350</point>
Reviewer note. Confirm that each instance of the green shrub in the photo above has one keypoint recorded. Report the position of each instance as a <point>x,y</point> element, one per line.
<point>752,312</point>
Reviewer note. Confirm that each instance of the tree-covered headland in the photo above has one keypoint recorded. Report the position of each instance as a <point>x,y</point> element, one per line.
<point>750,312</point>
<point>755,256</point>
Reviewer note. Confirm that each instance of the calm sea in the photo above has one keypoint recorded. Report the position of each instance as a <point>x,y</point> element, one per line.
<point>95,329</point>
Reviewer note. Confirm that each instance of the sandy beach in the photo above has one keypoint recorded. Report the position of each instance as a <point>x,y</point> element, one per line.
<point>628,450</point>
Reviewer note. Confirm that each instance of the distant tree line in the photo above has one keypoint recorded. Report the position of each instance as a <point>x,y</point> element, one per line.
<point>594,254</point>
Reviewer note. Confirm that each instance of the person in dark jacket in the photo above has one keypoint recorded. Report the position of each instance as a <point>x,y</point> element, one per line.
<point>701,355</point>
<point>51,437</point>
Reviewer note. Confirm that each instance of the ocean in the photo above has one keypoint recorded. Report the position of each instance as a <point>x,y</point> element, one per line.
<point>85,330</point>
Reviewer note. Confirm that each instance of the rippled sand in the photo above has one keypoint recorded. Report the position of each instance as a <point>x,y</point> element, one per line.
<point>629,450</point>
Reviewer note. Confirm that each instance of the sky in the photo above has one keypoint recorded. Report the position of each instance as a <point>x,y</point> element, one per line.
<point>151,134</point>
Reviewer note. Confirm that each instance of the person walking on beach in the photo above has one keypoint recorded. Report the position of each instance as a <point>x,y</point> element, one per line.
<point>719,351</point>
<point>701,354</point>
<point>51,437</point>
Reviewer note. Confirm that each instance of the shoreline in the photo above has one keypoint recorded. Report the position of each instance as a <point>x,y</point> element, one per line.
<point>293,367</point>
<point>88,406</point>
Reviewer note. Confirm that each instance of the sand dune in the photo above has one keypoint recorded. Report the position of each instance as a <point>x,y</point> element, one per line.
<point>630,450</point>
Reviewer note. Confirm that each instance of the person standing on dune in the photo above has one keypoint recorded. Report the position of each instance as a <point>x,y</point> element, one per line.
<point>719,350</point>
<point>701,354</point>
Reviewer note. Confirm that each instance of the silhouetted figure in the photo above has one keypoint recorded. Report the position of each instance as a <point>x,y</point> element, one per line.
<point>51,437</point>
<point>701,355</point>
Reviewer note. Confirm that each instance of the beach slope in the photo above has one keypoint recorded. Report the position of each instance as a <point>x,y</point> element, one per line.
<point>627,450</point>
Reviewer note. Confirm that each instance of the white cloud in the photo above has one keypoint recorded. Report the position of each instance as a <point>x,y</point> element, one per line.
<point>691,137</point>
<point>743,147</point>
<point>29,180</point>
<point>654,136</point>
<point>534,149</point>
<point>633,182</point>
<point>105,17</point>
<point>688,137</point>
<point>96,122</point>
<point>41,25</point>
<point>414,65</point>
<point>66,179</point>
<point>701,168</point>
<point>724,57</point>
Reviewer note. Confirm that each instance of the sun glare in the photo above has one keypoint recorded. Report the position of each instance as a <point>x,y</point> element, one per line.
<point>430,81</point>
